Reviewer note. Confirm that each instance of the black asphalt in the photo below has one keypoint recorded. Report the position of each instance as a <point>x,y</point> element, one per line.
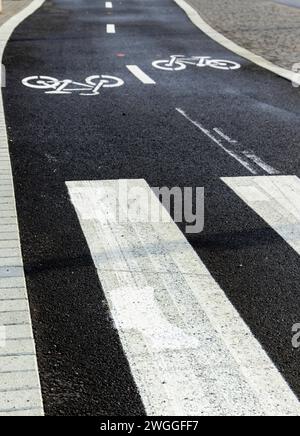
<point>135,132</point>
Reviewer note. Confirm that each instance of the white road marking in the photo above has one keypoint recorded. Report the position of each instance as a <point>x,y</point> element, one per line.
<point>276,199</point>
<point>249,154</point>
<point>19,379</point>
<point>178,63</point>
<point>224,136</point>
<point>241,51</point>
<point>91,86</point>
<point>231,153</point>
<point>259,162</point>
<point>139,74</point>
<point>108,5</point>
<point>245,158</point>
<point>110,28</point>
<point>189,351</point>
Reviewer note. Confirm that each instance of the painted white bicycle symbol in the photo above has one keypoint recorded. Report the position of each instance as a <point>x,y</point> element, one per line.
<point>179,62</point>
<point>92,84</point>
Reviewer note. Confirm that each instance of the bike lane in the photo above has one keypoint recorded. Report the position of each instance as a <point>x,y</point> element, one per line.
<point>134,131</point>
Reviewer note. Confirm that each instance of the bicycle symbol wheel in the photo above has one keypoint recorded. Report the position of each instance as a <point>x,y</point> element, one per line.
<point>221,64</point>
<point>107,81</point>
<point>41,82</point>
<point>165,65</point>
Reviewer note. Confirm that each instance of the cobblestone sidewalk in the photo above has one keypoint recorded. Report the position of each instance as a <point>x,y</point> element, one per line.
<point>264,27</point>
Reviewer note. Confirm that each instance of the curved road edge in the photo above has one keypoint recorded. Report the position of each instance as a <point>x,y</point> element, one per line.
<point>198,21</point>
<point>19,376</point>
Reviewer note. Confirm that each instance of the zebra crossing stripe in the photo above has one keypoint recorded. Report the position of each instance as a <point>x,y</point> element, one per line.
<point>190,352</point>
<point>276,199</point>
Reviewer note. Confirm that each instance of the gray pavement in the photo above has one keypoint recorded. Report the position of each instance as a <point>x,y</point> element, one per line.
<point>267,28</point>
<point>292,3</point>
<point>12,7</point>
<point>19,380</point>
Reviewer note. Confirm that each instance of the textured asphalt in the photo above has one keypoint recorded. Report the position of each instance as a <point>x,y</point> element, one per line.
<point>135,132</point>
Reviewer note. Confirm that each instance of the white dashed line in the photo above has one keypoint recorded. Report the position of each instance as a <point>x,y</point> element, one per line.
<point>139,74</point>
<point>189,351</point>
<point>110,28</point>
<point>276,199</point>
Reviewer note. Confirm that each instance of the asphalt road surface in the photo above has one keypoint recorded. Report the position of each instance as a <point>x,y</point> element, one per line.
<point>134,131</point>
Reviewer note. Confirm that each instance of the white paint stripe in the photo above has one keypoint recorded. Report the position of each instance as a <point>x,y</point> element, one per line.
<point>108,5</point>
<point>16,354</point>
<point>110,28</point>
<point>230,45</point>
<point>224,136</point>
<point>189,351</point>
<point>263,165</point>
<point>139,74</point>
<point>231,153</point>
<point>249,154</point>
<point>276,199</point>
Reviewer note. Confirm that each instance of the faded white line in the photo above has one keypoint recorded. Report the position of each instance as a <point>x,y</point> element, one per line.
<point>236,154</point>
<point>189,350</point>
<point>224,136</point>
<point>231,153</point>
<point>276,199</point>
<point>249,154</point>
<point>139,74</point>
<point>16,355</point>
<point>110,28</point>
<point>235,48</point>
<point>259,162</point>
<point>108,5</point>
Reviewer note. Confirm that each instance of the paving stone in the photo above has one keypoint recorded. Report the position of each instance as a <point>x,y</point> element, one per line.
<point>266,28</point>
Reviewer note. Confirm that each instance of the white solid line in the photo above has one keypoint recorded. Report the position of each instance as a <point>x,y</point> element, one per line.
<point>108,5</point>
<point>20,398</point>
<point>139,74</point>
<point>235,48</point>
<point>258,161</point>
<point>224,136</point>
<point>231,153</point>
<point>189,351</point>
<point>249,154</point>
<point>110,28</point>
<point>276,199</point>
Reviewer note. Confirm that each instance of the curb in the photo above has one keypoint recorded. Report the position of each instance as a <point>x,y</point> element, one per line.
<point>198,21</point>
<point>19,376</point>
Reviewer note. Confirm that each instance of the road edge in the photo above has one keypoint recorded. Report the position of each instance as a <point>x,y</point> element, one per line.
<point>21,394</point>
<point>199,22</point>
